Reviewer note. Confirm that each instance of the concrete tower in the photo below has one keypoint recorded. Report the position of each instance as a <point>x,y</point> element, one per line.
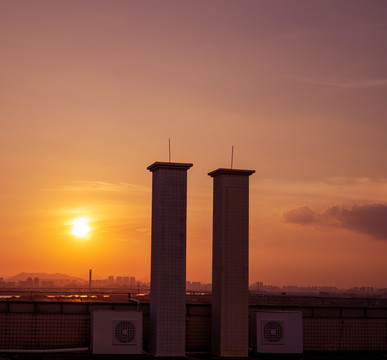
<point>168,259</point>
<point>230,262</point>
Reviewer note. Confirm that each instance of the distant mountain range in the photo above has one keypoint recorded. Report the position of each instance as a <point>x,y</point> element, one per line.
<point>43,276</point>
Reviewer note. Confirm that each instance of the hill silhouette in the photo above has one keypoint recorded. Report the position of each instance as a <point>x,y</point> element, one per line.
<point>44,276</point>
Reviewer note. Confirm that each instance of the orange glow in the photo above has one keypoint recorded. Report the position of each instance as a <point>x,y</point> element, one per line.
<point>90,95</point>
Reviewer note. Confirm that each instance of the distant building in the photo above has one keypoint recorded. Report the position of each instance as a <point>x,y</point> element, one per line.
<point>90,279</point>
<point>46,284</point>
<point>258,286</point>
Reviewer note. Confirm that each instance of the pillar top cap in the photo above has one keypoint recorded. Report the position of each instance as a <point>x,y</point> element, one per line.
<point>168,165</point>
<point>222,171</point>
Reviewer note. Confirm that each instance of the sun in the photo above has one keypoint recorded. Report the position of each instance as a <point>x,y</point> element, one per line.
<point>80,227</point>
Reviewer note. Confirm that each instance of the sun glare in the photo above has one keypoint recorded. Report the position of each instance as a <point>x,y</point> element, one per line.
<point>80,227</point>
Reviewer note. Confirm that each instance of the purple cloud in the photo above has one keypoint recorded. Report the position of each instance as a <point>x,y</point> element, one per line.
<point>301,215</point>
<point>365,219</point>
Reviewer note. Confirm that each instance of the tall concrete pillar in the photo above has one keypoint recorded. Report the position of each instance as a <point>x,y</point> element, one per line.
<point>168,259</point>
<point>230,264</point>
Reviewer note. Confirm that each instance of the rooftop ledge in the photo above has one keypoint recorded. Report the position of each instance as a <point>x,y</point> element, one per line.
<point>222,171</point>
<point>168,165</point>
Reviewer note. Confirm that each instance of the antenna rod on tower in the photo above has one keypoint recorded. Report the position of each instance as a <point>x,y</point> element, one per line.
<point>232,155</point>
<point>169,142</point>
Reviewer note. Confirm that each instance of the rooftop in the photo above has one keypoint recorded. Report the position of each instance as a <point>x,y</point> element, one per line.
<point>305,356</point>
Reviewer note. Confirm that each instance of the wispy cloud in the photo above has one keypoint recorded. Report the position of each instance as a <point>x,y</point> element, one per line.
<point>344,190</point>
<point>374,25</point>
<point>300,215</point>
<point>99,186</point>
<point>338,28</point>
<point>297,34</point>
<point>336,82</point>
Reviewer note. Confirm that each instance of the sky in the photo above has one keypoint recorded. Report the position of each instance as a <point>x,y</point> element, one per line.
<point>91,91</point>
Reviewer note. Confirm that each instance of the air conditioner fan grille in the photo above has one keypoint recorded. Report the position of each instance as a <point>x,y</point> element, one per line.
<point>124,332</point>
<point>273,332</point>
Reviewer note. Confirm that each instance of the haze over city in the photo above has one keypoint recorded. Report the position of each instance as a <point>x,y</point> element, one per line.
<point>92,91</point>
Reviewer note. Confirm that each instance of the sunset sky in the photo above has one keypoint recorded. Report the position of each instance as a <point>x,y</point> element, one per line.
<point>91,91</point>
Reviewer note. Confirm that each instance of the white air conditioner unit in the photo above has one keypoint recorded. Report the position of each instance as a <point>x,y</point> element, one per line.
<point>277,332</point>
<point>116,332</point>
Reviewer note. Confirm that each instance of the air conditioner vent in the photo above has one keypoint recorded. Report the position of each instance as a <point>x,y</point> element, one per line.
<point>277,332</point>
<point>273,332</point>
<point>124,332</point>
<point>116,332</point>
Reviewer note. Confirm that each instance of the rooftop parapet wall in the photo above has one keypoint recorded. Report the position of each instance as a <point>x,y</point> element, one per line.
<point>326,327</point>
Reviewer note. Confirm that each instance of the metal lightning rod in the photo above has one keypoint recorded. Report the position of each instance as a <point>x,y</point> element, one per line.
<point>169,143</point>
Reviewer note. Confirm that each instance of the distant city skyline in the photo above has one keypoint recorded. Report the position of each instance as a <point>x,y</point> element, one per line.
<point>127,281</point>
<point>91,92</point>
